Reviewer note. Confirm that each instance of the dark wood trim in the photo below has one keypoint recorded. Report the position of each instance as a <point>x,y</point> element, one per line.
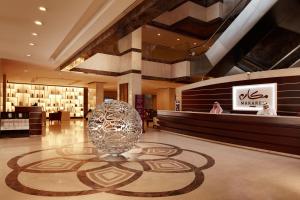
<point>123,92</point>
<point>142,14</point>
<point>183,79</point>
<point>85,101</point>
<point>129,51</point>
<point>106,73</point>
<point>145,77</point>
<point>271,133</point>
<point>35,118</point>
<point>164,61</point>
<point>202,98</point>
<point>98,72</point>
<point>124,52</point>
<point>4,93</point>
<point>204,3</point>
<point>173,27</point>
<point>131,71</point>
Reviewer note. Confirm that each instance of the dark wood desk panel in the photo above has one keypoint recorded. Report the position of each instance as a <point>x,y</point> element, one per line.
<point>272,133</point>
<point>35,118</point>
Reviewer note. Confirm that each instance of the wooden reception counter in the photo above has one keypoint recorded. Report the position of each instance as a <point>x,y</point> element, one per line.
<point>35,118</point>
<point>272,133</point>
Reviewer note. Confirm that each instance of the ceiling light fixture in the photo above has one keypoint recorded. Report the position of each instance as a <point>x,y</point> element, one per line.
<point>158,34</point>
<point>42,8</point>
<point>195,43</point>
<point>37,22</point>
<point>34,34</point>
<point>178,39</point>
<point>28,55</point>
<point>31,44</point>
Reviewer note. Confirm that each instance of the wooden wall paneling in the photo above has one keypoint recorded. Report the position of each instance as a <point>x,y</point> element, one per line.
<point>85,101</point>
<point>288,95</point>
<point>272,133</point>
<point>4,92</point>
<point>35,118</point>
<point>123,88</point>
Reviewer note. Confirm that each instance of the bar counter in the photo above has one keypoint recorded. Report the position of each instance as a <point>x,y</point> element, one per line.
<point>279,133</point>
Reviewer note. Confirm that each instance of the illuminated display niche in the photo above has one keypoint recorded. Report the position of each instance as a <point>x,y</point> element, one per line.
<point>50,98</point>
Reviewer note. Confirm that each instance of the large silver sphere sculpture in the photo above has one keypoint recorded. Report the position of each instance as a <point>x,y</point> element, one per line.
<point>115,127</point>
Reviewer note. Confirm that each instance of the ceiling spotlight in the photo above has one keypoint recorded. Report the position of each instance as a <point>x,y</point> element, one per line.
<point>37,22</point>
<point>195,43</point>
<point>178,39</point>
<point>42,8</point>
<point>158,34</point>
<point>34,34</point>
<point>31,44</point>
<point>28,55</point>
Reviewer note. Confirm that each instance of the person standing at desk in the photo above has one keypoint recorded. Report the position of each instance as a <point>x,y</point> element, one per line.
<point>216,109</point>
<point>267,111</point>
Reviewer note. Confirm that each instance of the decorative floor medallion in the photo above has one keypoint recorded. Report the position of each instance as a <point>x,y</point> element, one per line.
<point>148,171</point>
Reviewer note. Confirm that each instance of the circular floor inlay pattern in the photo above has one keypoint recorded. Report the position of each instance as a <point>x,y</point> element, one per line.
<point>148,159</point>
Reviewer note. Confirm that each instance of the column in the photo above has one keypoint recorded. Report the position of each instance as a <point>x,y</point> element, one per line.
<point>130,67</point>
<point>99,93</point>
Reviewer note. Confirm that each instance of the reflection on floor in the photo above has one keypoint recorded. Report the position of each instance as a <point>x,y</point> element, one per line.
<point>163,165</point>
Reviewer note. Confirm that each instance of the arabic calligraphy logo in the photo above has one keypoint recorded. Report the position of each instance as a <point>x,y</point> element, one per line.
<point>253,95</point>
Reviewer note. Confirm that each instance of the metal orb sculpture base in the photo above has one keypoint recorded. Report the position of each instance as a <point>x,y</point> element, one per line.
<point>115,127</point>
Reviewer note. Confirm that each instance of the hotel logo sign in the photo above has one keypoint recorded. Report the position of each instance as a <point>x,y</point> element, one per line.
<point>252,97</point>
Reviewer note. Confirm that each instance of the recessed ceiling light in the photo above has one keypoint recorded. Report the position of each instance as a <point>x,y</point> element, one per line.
<point>195,43</point>
<point>158,34</point>
<point>37,22</point>
<point>178,39</point>
<point>31,44</point>
<point>34,34</point>
<point>28,55</point>
<point>42,8</point>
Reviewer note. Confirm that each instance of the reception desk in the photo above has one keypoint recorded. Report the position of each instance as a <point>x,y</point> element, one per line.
<point>272,133</point>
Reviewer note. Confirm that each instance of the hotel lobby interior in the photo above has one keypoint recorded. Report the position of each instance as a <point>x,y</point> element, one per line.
<point>150,99</point>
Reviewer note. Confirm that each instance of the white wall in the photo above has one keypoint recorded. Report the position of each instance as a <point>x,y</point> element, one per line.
<point>181,69</point>
<point>102,62</point>
<point>156,69</point>
<point>132,60</point>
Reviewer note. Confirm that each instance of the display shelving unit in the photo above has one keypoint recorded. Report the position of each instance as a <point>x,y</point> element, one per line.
<point>50,98</point>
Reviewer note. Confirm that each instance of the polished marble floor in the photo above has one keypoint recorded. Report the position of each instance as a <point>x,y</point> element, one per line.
<point>62,164</point>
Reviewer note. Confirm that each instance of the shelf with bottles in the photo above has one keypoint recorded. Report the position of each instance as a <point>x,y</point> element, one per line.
<point>50,98</point>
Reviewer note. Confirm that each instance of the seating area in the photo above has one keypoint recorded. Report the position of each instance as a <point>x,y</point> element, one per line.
<point>56,116</point>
